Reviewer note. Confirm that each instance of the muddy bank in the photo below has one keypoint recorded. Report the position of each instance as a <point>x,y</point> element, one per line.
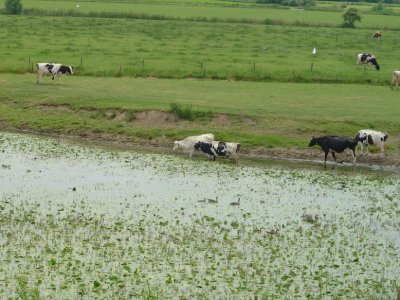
<point>163,144</point>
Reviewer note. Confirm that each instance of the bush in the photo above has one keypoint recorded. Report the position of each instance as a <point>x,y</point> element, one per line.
<point>182,112</point>
<point>13,7</point>
<point>186,112</point>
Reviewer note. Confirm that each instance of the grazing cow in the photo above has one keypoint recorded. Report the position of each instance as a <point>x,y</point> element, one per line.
<point>51,69</point>
<point>377,35</point>
<point>371,137</point>
<point>187,144</point>
<point>219,148</point>
<point>368,59</point>
<point>335,144</point>
<point>396,79</point>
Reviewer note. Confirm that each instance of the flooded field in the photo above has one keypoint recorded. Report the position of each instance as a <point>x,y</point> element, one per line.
<point>79,222</point>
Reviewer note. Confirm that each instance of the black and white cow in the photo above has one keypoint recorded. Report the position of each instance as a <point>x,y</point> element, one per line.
<point>371,137</point>
<point>187,144</point>
<point>335,144</point>
<point>219,148</point>
<point>369,59</point>
<point>51,69</point>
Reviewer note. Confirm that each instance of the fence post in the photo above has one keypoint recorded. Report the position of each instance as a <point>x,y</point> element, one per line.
<point>32,67</point>
<point>142,64</point>
<point>312,66</point>
<point>254,65</point>
<point>29,62</point>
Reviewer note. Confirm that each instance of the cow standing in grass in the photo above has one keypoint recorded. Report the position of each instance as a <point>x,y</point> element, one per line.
<point>335,144</point>
<point>368,59</point>
<point>51,69</point>
<point>396,79</point>
<point>377,35</point>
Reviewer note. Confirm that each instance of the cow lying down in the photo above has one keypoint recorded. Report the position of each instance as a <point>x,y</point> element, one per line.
<point>187,144</point>
<point>336,144</point>
<point>219,148</point>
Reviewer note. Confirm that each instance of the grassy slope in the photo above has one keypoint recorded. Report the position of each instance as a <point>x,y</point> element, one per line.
<point>282,114</point>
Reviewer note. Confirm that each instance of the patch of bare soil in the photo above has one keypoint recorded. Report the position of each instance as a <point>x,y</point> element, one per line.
<point>56,107</point>
<point>155,118</point>
<point>221,119</point>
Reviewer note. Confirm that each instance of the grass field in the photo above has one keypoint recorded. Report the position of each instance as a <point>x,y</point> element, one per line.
<point>259,114</point>
<point>176,49</point>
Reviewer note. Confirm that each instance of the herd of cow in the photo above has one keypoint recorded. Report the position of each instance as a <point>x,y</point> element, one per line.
<point>206,144</point>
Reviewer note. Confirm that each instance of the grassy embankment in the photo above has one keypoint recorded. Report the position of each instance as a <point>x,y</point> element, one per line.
<point>255,114</point>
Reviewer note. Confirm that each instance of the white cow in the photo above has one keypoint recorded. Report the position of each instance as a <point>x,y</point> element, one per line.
<point>219,148</point>
<point>51,69</point>
<point>187,144</point>
<point>396,79</point>
<point>371,137</point>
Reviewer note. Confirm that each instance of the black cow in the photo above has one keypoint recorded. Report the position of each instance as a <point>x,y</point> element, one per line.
<point>335,144</point>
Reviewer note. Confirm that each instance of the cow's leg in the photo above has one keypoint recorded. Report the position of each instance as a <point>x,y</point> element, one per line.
<point>353,151</point>
<point>382,150</point>
<point>334,155</point>
<point>326,155</point>
<point>191,153</point>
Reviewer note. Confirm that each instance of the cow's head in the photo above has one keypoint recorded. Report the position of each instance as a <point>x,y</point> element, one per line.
<point>176,145</point>
<point>313,142</point>
<point>361,138</point>
<point>71,71</point>
<point>385,136</point>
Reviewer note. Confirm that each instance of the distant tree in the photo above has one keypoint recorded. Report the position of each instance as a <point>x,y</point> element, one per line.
<point>350,16</point>
<point>13,7</point>
<point>298,3</point>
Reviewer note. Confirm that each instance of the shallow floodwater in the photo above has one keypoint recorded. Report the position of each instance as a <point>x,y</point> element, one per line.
<point>297,232</point>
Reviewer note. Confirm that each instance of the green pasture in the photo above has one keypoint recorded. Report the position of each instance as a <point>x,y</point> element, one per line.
<point>280,114</point>
<point>219,12</point>
<point>177,49</point>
